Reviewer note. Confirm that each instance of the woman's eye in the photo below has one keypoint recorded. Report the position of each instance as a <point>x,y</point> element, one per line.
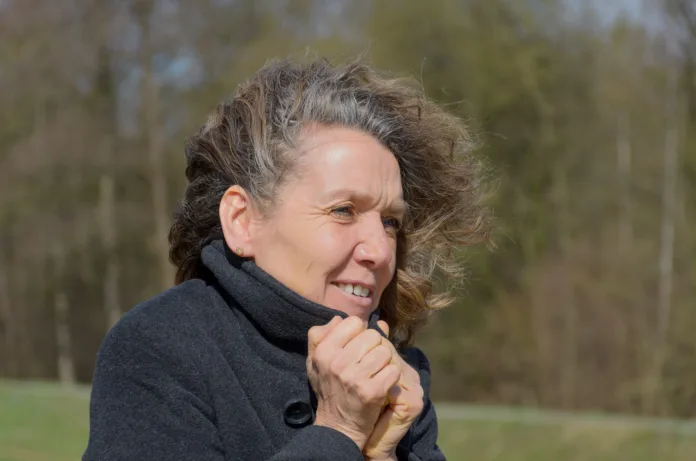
<point>343,211</point>
<point>392,222</point>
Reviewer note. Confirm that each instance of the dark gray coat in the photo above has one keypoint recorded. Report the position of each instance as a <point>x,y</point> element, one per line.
<point>214,369</point>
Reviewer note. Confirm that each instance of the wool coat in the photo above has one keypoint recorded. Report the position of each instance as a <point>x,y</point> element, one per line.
<point>214,369</point>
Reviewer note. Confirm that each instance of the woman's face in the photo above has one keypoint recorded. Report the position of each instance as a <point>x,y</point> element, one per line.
<point>332,235</point>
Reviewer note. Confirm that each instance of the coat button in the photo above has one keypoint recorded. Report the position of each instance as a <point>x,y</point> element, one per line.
<point>297,413</point>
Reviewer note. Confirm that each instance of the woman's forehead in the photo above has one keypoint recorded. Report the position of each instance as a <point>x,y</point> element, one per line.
<point>343,161</point>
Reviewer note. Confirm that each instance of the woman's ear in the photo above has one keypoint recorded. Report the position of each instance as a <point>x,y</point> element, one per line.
<point>236,214</point>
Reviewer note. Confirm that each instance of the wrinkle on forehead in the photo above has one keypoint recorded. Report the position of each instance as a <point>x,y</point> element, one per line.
<point>336,160</point>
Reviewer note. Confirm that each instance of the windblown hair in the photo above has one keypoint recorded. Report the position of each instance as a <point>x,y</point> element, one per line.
<point>249,141</point>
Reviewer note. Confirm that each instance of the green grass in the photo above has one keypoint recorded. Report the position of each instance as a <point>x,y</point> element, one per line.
<point>42,422</point>
<point>510,441</point>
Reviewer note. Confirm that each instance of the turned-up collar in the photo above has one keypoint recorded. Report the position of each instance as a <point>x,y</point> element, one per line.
<point>276,310</point>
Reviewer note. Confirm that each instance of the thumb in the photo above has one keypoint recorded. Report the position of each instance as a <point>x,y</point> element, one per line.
<point>383,326</point>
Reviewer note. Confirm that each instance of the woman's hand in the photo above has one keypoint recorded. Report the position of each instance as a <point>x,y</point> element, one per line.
<point>351,371</point>
<point>405,404</point>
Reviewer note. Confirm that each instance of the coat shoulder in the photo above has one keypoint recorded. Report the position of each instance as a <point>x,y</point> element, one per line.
<point>187,301</point>
<point>175,319</point>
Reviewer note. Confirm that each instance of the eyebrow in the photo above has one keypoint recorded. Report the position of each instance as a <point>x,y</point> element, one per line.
<point>397,206</point>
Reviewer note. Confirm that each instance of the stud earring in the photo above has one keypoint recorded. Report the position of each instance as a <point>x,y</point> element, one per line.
<point>239,251</point>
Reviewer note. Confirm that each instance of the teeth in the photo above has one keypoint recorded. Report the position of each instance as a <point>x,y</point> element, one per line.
<point>356,290</point>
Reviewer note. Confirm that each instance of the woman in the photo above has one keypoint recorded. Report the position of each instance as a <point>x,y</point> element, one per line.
<point>320,200</point>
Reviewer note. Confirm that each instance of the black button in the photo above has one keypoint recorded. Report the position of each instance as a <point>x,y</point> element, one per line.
<point>297,413</point>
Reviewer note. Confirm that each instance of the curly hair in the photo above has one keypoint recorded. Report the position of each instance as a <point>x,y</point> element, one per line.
<point>247,141</point>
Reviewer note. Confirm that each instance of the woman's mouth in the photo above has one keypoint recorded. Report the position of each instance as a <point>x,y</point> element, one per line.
<point>359,295</point>
<point>357,290</point>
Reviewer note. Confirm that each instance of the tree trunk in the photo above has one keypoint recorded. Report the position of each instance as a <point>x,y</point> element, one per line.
<point>65,363</point>
<point>623,164</point>
<point>107,210</point>
<point>7,328</point>
<point>106,92</point>
<point>666,256</point>
<point>66,366</point>
<point>624,246</point>
<point>667,235</point>
<point>155,148</point>
<point>566,299</point>
<point>158,181</point>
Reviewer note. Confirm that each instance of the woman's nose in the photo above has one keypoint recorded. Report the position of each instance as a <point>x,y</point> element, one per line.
<point>376,247</point>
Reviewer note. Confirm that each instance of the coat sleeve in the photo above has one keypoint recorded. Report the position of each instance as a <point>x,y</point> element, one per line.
<point>149,402</point>
<point>421,442</point>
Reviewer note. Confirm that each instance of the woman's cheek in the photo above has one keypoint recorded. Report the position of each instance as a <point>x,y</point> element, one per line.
<point>338,241</point>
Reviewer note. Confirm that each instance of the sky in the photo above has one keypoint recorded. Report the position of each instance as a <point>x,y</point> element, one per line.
<point>635,9</point>
<point>615,7</point>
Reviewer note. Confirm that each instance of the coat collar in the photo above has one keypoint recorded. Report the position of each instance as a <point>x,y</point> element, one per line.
<point>277,311</point>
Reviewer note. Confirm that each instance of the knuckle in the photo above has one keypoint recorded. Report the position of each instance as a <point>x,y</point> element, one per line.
<point>354,322</point>
<point>362,393</point>
<point>367,345</point>
<point>322,356</point>
<point>385,342</point>
<point>313,333</point>
<point>319,355</point>
<point>391,373</point>
<point>335,368</point>
<point>383,352</point>
<point>372,336</point>
<point>413,375</point>
<point>345,376</point>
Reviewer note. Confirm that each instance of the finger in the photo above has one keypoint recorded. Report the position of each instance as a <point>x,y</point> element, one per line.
<point>409,376</point>
<point>384,326</point>
<point>387,378</point>
<point>342,333</point>
<point>373,362</point>
<point>406,404</point>
<point>408,372</point>
<point>358,347</point>
<point>410,379</point>
<point>318,333</point>
<point>396,358</point>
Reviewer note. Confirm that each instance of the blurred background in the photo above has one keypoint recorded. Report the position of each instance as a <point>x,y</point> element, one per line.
<point>573,340</point>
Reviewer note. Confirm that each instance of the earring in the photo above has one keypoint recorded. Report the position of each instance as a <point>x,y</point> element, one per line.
<point>239,251</point>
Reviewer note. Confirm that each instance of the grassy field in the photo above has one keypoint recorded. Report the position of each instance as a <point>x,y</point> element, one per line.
<point>41,422</point>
